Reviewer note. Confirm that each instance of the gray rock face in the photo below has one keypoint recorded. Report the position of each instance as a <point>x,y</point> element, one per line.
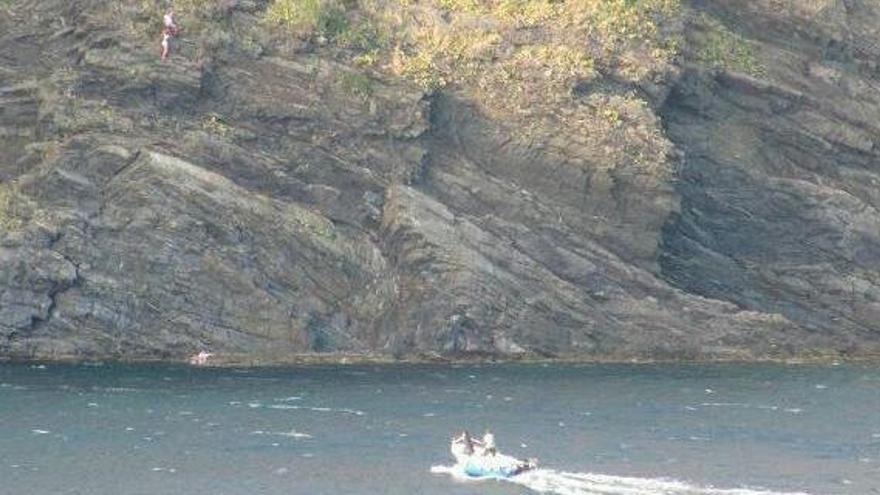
<point>779,185</point>
<point>258,205</point>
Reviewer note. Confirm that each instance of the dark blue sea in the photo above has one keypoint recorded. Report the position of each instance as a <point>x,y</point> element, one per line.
<point>728,429</point>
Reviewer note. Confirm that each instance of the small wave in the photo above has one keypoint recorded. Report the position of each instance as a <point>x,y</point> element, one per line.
<point>116,390</point>
<point>563,483</point>
<point>294,434</point>
<point>741,405</point>
<point>40,432</point>
<point>343,410</point>
<point>289,399</point>
<point>289,434</point>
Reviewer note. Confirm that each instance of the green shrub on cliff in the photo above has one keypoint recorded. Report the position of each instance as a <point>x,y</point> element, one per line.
<point>12,206</point>
<point>521,54</point>
<point>514,55</point>
<point>356,84</point>
<point>323,17</point>
<point>720,48</point>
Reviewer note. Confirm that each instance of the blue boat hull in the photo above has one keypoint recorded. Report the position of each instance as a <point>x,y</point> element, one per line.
<point>476,471</point>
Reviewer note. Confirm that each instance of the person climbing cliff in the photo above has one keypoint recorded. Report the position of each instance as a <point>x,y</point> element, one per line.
<point>169,31</point>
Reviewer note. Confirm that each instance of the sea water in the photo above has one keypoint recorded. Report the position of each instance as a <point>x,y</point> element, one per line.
<point>596,429</point>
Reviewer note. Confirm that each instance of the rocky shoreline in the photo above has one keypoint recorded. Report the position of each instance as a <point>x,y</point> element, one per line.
<point>335,359</point>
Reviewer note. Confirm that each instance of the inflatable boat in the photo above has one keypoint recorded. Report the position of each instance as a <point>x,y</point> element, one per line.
<point>475,462</point>
<point>501,467</point>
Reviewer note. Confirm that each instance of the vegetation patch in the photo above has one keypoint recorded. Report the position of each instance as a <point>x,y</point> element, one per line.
<point>322,17</point>
<point>216,124</point>
<point>718,47</point>
<point>523,55</point>
<point>356,84</point>
<point>514,54</point>
<point>314,223</point>
<point>14,207</point>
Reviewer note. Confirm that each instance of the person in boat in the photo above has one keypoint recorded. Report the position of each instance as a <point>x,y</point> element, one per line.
<point>465,441</point>
<point>489,443</point>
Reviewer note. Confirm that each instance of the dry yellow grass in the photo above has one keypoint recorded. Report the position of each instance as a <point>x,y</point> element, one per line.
<point>513,54</point>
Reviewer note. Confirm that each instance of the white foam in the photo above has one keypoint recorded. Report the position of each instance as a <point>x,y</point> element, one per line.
<point>562,483</point>
<point>452,391</point>
<point>289,399</point>
<point>116,390</point>
<point>291,407</point>
<point>40,432</point>
<point>289,434</point>
<point>284,406</point>
<point>763,407</point>
<point>550,481</point>
<point>294,434</point>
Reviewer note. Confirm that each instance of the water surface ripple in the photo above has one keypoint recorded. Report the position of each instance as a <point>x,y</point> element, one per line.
<point>597,429</point>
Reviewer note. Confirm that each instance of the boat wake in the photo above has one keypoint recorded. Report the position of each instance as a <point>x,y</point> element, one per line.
<point>562,483</point>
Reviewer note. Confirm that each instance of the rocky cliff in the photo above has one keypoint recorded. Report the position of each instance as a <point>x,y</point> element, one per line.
<point>269,194</point>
